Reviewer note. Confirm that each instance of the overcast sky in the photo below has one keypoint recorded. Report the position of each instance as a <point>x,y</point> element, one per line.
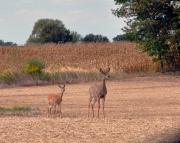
<point>17,17</point>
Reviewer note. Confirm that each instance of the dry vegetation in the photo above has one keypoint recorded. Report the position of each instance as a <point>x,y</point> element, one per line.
<point>121,57</point>
<point>139,110</point>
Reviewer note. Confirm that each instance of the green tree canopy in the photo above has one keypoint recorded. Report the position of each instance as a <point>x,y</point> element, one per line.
<point>49,30</point>
<point>75,37</point>
<point>95,38</point>
<point>156,24</point>
<point>125,37</point>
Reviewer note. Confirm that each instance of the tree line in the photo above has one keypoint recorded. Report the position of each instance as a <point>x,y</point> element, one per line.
<point>49,30</point>
<point>3,43</point>
<point>54,31</point>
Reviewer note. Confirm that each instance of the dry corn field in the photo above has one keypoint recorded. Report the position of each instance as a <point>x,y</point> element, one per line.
<point>138,110</point>
<point>121,57</point>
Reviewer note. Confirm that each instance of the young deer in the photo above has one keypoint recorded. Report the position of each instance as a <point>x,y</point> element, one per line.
<point>98,91</point>
<point>56,100</point>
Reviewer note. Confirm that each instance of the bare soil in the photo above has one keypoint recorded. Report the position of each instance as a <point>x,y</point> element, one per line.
<point>140,109</point>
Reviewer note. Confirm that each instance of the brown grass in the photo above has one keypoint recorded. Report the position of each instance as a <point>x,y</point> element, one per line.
<point>121,57</point>
<point>138,110</point>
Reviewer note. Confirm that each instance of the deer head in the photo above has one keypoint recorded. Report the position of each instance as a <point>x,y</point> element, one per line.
<point>62,87</point>
<point>105,73</point>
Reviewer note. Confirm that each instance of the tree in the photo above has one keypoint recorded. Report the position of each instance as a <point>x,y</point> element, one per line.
<point>75,37</point>
<point>95,38</point>
<point>156,24</point>
<point>125,37</point>
<point>2,43</point>
<point>49,30</point>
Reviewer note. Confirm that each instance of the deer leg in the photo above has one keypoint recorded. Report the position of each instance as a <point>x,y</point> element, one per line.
<point>103,102</point>
<point>98,107</point>
<point>58,110</point>
<point>89,105</point>
<point>55,110</point>
<point>49,110</point>
<point>60,113</point>
<point>92,106</point>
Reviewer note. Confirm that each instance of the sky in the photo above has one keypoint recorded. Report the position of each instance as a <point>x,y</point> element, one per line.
<point>17,17</point>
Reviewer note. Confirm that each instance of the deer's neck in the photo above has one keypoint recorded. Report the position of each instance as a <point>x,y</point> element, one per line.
<point>104,83</point>
<point>61,95</point>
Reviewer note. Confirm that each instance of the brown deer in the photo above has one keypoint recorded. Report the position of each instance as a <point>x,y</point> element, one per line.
<point>98,91</point>
<point>55,101</point>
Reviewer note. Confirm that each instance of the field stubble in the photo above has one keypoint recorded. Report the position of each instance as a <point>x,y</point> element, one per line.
<point>140,109</point>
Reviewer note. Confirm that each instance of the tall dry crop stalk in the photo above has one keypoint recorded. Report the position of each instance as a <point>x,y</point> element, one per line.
<point>121,57</point>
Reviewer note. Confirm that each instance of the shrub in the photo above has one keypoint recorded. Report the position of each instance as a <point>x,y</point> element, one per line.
<point>44,76</point>
<point>15,108</point>
<point>18,108</point>
<point>6,77</point>
<point>34,67</point>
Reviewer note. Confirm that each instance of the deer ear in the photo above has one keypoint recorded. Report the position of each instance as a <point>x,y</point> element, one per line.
<point>108,69</point>
<point>68,81</point>
<point>101,70</point>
